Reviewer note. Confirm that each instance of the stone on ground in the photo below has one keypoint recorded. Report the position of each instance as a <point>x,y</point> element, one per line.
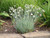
<point>10,36</point>
<point>41,34</point>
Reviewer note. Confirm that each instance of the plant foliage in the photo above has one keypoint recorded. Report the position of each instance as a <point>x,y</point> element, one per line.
<point>24,19</point>
<point>45,4</point>
<point>5,4</point>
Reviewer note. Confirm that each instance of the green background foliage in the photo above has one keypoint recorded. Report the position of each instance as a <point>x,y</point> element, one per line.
<point>5,4</point>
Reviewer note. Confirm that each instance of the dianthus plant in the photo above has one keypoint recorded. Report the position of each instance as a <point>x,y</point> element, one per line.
<point>24,19</point>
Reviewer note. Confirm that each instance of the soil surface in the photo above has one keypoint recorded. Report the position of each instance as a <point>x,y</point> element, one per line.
<point>8,27</point>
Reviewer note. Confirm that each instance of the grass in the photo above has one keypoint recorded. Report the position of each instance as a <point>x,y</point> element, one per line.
<point>46,6</point>
<point>5,4</point>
